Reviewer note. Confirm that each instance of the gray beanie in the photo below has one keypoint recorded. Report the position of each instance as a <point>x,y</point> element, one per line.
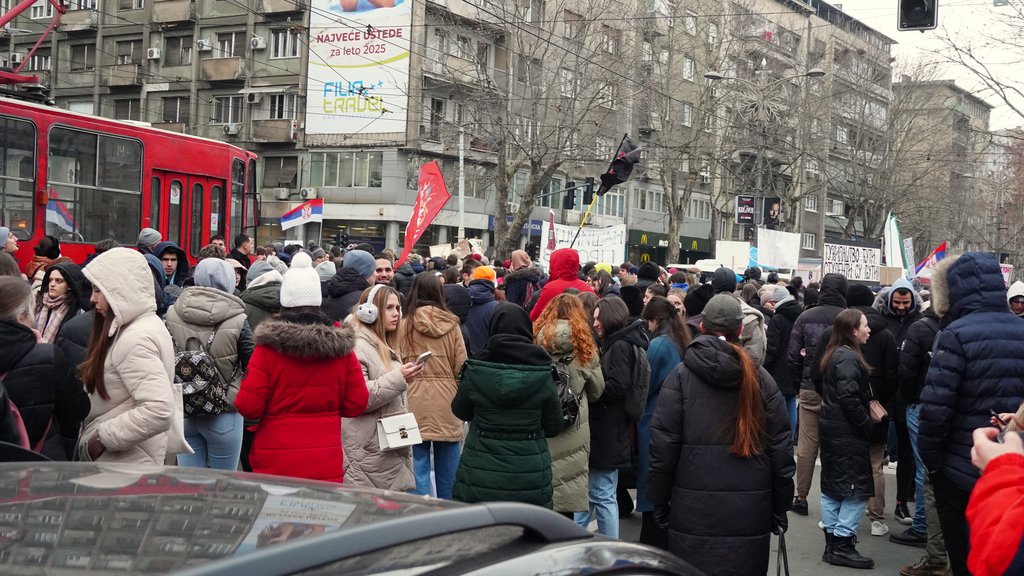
<point>318,253</point>
<point>4,234</point>
<point>277,264</point>
<point>361,262</point>
<point>149,237</point>
<point>258,268</point>
<point>779,294</point>
<point>326,270</point>
<point>215,273</point>
<point>722,314</point>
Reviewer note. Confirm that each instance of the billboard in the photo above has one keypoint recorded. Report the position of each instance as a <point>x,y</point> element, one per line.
<point>745,210</point>
<point>358,66</point>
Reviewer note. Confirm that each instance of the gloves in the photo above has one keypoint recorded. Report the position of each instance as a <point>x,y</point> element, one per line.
<point>661,515</point>
<point>780,522</point>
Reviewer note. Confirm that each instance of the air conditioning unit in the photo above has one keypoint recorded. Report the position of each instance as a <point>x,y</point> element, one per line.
<point>204,45</point>
<point>307,193</point>
<point>258,43</point>
<point>254,98</point>
<point>17,57</point>
<point>281,193</point>
<point>232,129</point>
<point>152,53</point>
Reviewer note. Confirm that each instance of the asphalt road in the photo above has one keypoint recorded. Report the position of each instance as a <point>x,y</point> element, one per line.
<point>805,541</point>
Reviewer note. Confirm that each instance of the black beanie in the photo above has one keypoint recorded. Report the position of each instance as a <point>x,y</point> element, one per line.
<point>723,280</point>
<point>859,295</point>
<point>697,298</point>
<point>648,271</point>
<point>48,247</point>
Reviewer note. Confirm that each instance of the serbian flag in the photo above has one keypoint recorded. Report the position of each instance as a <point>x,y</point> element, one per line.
<point>308,211</point>
<point>431,196</point>
<point>57,213</point>
<point>551,230</point>
<point>927,267</point>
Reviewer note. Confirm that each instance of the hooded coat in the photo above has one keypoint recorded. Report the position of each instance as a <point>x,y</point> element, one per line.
<point>811,324</point>
<point>366,464</point>
<point>79,289</point>
<point>898,325</point>
<point>456,299</point>
<point>182,273</point>
<point>507,394</point>
<point>845,428</point>
<point>916,356</point>
<point>142,421</point>
<point>299,430</point>
<point>565,267</point>
<point>520,284</point>
<point>261,302</point>
<point>1016,290</point>
<point>435,330</point>
<point>478,320</point>
<point>570,450</point>
<point>721,517</point>
<point>343,292</point>
<point>402,280</point>
<point>977,366</point>
<point>163,299</point>
<point>753,335</point>
<point>610,427</point>
<point>780,331</point>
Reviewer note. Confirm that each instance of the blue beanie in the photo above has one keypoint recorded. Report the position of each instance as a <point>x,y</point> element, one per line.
<point>362,262</point>
<point>215,273</point>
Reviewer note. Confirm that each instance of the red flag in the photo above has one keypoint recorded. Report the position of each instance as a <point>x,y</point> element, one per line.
<point>431,196</point>
<point>551,230</point>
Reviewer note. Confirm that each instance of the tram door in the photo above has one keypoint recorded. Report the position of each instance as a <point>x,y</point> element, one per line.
<point>189,208</point>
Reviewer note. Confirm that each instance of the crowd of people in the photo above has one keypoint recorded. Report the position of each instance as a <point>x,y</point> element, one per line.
<point>711,394</point>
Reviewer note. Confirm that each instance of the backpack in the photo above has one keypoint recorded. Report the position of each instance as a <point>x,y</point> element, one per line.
<point>203,390</point>
<point>568,399</point>
<point>636,396</point>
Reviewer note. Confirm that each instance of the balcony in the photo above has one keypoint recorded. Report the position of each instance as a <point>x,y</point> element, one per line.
<point>79,20</point>
<point>282,6</point>
<point>453,69</point>
<point>122,75</point>
<point>223,69</point>
<point>171,126</point>
<point>276,130</point>
<point>169,11</point>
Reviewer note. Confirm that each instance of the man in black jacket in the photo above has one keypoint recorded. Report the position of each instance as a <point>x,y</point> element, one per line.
<point>780,330</point>
<point>357,273</point>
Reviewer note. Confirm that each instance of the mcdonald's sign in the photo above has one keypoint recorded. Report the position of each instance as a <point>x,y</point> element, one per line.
<point>694,244</point>
<point>645,257</point>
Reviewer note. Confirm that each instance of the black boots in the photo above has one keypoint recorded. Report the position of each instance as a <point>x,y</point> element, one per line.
<point>843,553</point>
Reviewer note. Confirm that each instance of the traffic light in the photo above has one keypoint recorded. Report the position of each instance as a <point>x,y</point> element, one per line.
<point>918,14</point>
<point>569,200</point>
<point>588,192</point>
<point>532,251</point>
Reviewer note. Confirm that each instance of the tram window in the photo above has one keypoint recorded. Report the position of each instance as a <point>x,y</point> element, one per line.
<point>17,176</point>
<point>216,205</point>
<point>154,203</point>
<point>254,213</point>
<point>174,213</point>
<point>97,186</point>
<point>237,191</point>
<point>196,239</point>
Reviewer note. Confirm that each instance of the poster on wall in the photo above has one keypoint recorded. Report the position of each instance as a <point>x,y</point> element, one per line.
<point>772,211</point>
<point>745,210</point>
<point>597,244</point>
<point>358,66</point>
<point>856,260</point>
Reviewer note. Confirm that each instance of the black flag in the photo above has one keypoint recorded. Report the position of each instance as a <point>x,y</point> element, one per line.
<point>621,166</point>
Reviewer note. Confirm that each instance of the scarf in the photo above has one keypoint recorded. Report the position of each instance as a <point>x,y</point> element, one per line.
<point>51,315</point>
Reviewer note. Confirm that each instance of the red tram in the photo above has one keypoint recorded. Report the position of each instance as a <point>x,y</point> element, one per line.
<point>83,178</point>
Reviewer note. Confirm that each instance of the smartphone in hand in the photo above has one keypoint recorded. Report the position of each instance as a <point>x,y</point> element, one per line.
<point>422,358</point>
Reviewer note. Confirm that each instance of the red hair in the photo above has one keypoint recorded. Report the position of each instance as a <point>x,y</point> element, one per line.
<point>570,308</point>
<point>749,424</point>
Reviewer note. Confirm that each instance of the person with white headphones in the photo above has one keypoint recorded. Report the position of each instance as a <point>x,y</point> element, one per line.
<point>376,320</point>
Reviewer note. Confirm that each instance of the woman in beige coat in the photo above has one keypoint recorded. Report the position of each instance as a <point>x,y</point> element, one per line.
<point>563,330</point>
<point>430,327</point>
<point>375,322</point>
<point>136,413</point>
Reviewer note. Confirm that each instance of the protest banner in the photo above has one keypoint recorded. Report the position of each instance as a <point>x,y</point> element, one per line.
<point>1007,270</point>
<point>858,261</point>
<point>778,249</point>
<point>735,255</point>
<point>596,244</point>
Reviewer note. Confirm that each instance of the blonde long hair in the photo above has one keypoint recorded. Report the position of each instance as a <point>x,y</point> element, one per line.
<point>387,342</point>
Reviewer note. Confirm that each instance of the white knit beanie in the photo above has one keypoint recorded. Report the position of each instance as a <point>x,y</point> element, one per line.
<point>301,286</point>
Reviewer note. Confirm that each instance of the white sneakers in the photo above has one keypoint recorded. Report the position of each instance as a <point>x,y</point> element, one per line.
<point>878,528</point>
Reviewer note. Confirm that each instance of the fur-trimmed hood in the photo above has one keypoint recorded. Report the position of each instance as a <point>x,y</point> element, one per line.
<point>940,286</point>
<point>305,336</point>
<point>530,272</point>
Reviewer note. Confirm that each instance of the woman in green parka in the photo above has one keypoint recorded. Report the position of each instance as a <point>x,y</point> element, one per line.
<point>507,394</point>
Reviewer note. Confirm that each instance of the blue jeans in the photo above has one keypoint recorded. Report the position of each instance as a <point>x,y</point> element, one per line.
<point>841,517</point>
<point>920,524</point>
<point>446,462</point>
<point>791,408</point>
<point>603,503</point>
<point>216,440</point>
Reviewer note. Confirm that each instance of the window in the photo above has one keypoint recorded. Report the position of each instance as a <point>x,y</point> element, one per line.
<point>230,44</point>
<point>282,106</point>
<point>535,12</point>
<point>178,51</point>
<point>127,109</point>
<point>610,39</point>
<point>130,4</point>
<point>809,241</point>
<point>690,23</point>
<point>174,213</point>
<point>237,196</point>
<point>841,135</point>
<point>567,81</point>
<point>196,225</point>
<point>835,207</point>
<point>603,147</point>
<point>433,116</point>
<point>99,180</point>
<point>571,24</point>
<point>613,203</point>
<point>40,60</point>
<point>530,72</point>
<point>154,203</point>
<point>484,59</point>
<point>346,169</point>
<point>686,116</point>
<point>175,110</point>
<point>41,9</point>
<point>129,52</point>
<point>284,44</point>
<point>689,68</point>
<point>17,176</point>
<point>709,122</point>
<point>216,214</point>
<point>227,109</point>
<point>281,171</point>
<point>439,43</point>
<point>811,203</point>
<point>73,5</point>
<point>464,47</point>
<point>712,35</point>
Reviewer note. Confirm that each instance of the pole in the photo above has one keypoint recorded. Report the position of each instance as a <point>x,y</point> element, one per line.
<point>583,221</point>
<point>462,183</point>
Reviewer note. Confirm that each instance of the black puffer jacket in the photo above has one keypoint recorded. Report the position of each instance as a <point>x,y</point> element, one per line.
<point>844,428</point>
<point>780,330</point>
<point>978,366</point>
<point>609,425</point>
<point>456,298</point>
<point>40,382</point>
<point>344,289</point>
<point>402,280</point>
<point>916,356</point>
<point>812,322</point>
<point>721,505</point>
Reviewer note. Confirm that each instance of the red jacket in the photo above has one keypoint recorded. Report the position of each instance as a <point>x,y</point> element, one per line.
<point>302,378</point>
<point>996,517</point>
<point>565,267</point>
